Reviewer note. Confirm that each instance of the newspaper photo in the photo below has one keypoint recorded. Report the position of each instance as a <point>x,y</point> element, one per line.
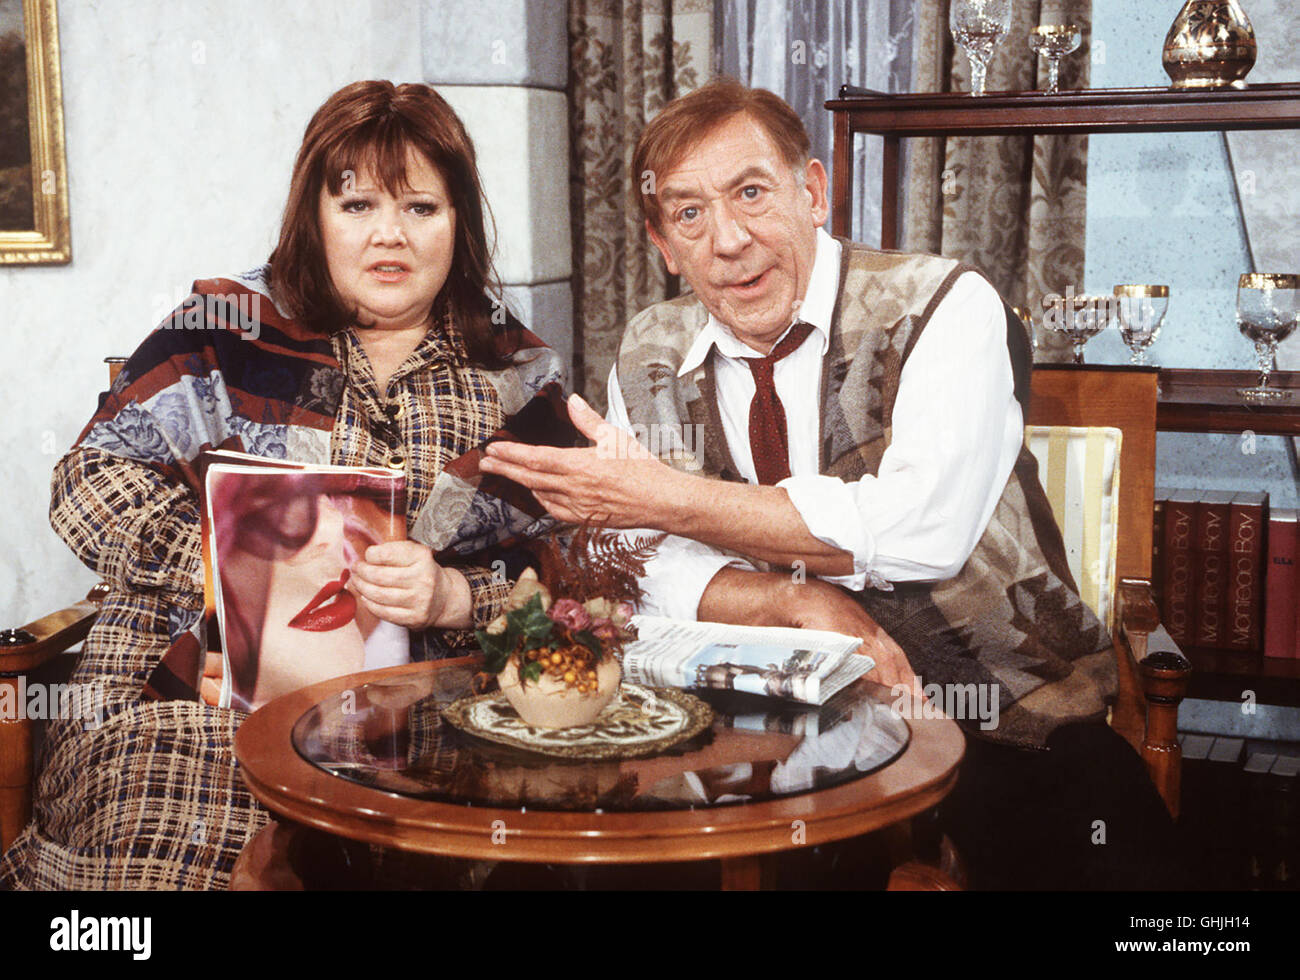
<point>807,666</point>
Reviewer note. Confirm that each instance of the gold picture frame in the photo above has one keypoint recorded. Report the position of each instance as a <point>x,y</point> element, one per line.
<point>45,237</point>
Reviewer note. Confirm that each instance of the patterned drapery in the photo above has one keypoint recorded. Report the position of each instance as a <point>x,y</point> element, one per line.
<point>1013,206</point>
<point>627,60</point>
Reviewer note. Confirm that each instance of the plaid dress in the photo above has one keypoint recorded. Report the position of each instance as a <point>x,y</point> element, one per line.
<point>152,797</point>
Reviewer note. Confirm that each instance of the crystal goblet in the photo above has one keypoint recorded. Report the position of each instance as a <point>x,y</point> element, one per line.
<point>1268,309</point>
<point>977,27</point>
<point>1141,311</point>
<point>1079,319</point>
<point>1054,42</point>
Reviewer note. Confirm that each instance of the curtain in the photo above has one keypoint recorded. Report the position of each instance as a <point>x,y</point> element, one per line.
<point>1015,206</point>
<point>627,60</point>
<point>804,50</point>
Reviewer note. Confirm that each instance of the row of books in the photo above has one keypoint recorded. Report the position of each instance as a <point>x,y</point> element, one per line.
<point>1224,571</point>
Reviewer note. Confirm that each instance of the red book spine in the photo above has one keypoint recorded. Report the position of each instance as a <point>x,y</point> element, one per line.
<point>1280,586</point>
<point>1180,526</point>
<point>1245,626</point>
<point>1158,548</point>
<point>1211,562</point>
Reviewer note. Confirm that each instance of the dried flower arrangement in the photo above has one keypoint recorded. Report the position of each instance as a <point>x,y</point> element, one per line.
<point>573,616</point>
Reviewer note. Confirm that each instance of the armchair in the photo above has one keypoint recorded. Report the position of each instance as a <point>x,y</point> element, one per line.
<point>1087,427</point>
<point>1117,565</point>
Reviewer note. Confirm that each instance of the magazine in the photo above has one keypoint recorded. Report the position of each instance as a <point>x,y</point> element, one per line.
<point>807,666</point>
<point>279,539</point>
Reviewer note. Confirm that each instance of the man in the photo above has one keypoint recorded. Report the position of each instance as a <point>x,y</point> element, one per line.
<point>859,410</point>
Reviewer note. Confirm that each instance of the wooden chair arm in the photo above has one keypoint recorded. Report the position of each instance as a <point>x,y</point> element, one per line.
<point>21,652</point>
<point>38,642</point>
<point>1161,678</point>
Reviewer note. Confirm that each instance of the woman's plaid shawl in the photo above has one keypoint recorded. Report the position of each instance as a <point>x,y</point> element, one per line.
<point>228,370</point>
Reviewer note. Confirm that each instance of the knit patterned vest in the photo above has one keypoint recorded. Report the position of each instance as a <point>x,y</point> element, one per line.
<point>1012,616</point>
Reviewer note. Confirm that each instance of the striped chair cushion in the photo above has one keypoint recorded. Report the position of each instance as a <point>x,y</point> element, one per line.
<point>1079,469</point>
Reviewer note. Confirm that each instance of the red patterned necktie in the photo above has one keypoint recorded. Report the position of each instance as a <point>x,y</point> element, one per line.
<point>768,440</point>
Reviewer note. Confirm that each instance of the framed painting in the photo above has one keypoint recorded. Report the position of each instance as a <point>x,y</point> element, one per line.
<point>33,168</point>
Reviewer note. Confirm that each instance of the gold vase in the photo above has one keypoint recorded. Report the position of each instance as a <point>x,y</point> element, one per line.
<point>1210,45</point>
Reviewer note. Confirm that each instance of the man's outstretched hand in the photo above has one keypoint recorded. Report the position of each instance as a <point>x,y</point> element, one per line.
<point>821,606</point>
<point>616,482</point>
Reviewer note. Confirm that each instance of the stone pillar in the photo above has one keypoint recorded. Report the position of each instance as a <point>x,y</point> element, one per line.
<point>503,65</point>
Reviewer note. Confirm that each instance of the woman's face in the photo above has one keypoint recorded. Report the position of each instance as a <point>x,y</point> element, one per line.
<point>389,257</point>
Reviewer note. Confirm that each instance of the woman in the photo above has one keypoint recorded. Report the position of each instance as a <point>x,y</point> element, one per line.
<point>368,339</point>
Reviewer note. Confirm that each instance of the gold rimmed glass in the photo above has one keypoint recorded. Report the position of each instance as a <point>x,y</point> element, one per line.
<point>1054,42</point>
<point>1268,308</point>
<point>1079,318</point>
<point>1140,309</point>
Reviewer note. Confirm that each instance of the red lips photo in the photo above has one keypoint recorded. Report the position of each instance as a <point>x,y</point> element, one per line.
<point>333,607</point>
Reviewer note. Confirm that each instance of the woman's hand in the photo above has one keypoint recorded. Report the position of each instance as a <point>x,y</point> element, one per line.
<point>399,582</point>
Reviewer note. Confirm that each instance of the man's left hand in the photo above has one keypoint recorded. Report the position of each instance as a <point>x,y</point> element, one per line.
<point>399,582</point>
<point>616,482</point>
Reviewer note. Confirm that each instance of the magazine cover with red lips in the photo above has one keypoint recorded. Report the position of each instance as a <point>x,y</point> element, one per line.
<point>279,540</point>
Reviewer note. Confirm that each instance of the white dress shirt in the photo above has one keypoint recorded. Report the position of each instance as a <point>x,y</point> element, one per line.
<point>957,430</point>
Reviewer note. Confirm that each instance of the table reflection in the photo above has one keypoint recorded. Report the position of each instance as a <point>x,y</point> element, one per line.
<point>389,735</point>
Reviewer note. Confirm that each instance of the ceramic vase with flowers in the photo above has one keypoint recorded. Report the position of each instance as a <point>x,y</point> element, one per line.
<point>556,659</point>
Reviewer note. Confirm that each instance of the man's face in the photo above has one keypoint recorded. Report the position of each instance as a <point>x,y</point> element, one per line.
<point>740,224</point>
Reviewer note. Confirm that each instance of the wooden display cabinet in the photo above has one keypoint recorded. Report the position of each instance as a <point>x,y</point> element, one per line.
<point>1189,400</point>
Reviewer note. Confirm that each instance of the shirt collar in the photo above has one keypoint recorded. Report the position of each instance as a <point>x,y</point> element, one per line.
<point>817,309</point>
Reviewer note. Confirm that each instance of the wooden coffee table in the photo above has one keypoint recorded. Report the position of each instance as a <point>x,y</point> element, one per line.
<point>389,771</point>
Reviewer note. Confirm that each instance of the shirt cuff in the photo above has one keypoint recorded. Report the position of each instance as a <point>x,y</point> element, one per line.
<point>828,506</point>
<point>676,577</point>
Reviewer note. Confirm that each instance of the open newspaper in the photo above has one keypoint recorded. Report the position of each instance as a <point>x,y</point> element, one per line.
<point>808,666</point>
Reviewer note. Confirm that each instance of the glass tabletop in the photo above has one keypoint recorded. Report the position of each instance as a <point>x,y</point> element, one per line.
<point>389,734</point>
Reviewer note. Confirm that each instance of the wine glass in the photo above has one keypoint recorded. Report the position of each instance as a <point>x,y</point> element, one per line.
<point>1054,42</point>
<point>1268,307</point>
<point>1079,318</point>
<point>977,26</point>
<point>1141,310</point>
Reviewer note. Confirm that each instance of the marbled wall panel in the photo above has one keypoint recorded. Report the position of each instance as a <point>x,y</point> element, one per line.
<point>1266,165</point>
<point>497,42</point>
<point>547,309</point>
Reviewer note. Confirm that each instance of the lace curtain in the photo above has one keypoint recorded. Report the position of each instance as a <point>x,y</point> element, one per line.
<point>804,50</point>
